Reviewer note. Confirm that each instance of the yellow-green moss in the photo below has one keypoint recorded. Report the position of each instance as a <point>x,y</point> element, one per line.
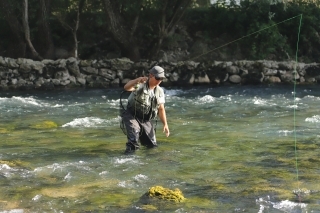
<point>166,194</point>
<point>201,202</point>
<point>76,190</point>
<point>149,208</point>
<point>4,204</point>
<point>14,163</point>
<point>45,125</point>
<point>9,163</point>
<point>5,128</point>
<point>264,188</point>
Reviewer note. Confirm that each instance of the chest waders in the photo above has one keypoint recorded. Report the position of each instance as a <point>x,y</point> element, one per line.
<point>141,105</point>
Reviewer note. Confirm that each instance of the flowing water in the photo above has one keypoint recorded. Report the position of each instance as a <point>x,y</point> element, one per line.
<point>231,149</point>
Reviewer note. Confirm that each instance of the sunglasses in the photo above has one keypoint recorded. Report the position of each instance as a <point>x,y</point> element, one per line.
<point>158,79</point>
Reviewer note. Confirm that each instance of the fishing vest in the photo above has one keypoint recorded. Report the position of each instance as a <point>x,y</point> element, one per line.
<point>142,105</point>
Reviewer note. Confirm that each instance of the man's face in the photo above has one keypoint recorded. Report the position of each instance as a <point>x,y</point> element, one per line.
<point>154,80</point>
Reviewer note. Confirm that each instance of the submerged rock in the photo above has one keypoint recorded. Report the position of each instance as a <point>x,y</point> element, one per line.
<point>149,208</point>
<point>45,125</point>
<point>13,163</point>
<point>4,130</point>
<point>166,194</point>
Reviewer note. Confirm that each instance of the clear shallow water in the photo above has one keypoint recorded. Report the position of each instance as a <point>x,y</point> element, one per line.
<point>231,149</point>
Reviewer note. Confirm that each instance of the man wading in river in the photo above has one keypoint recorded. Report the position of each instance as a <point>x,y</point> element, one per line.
<point>145,102</point>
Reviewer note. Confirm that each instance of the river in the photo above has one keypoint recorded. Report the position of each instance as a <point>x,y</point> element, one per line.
<point>231,149</point>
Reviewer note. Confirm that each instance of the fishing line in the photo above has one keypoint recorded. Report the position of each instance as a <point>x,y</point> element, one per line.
<point>295,83</point>
<point>247,36</point>
<point>294,109</point>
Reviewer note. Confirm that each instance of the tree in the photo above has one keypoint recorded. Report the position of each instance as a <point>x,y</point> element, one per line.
<point>123,20</point>
<point>171,11</point>
<point>120,29</point>
<point>61,15</point>
<point>25,23</point>
<point>20,30</point>
<point>17,41</point>
<point>45,43</point>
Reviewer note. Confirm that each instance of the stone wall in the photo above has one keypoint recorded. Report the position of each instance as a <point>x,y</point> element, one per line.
<point>25,74</point>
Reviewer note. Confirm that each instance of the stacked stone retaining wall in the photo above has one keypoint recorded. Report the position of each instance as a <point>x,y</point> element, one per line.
<point>113,73</point>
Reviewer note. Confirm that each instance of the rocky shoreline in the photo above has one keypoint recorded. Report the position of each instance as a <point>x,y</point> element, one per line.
<point>26,74</point>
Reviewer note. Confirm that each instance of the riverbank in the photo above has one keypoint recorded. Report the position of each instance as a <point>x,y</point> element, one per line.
<point>26,74</point>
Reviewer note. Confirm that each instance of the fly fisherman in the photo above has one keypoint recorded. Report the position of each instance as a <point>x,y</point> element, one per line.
<point>145,102</point>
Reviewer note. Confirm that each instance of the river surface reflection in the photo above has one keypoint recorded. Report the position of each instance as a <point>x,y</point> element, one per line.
<point>231,149</point>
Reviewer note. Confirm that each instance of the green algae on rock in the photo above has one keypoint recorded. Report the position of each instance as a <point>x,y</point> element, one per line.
<point>149,208</point>
<point>166,194</point>
<point>5,128</point>
<point>14,163</point>
<point>45,125</point>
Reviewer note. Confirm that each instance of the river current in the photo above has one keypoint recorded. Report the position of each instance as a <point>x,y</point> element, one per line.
<point>231,149</point>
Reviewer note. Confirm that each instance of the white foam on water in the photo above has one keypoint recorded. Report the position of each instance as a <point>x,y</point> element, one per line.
<point>287,205</point>
<point>140,177</point>
<point>27,100</point>
<point>262,207</point>
<point>293,106</point>
<point>9,172</point>
<point>120,161</point>
<point>311,97</point>
<point>33,102</point>
<point>205,99</point>
<point>84,122</point>
<point>313,119</point>
<point>6,170</point>
<point>226,97</point>
<point>114,103</point>
<point>173,92</point>
<point>122,184</point>
<point>90,122</point>
<point>4,167</point>
<point>58,105</point>
<point>126,184</point>
<point>103,173</point>
<point>67,177</point>
<point>13,211</point>
<point>36,198</point>
<point>260,101</point>
<point>285,132</point>
<point>18,101</point>
<point>63,167</point>
<point>284,205</point>
<point>263,102</point>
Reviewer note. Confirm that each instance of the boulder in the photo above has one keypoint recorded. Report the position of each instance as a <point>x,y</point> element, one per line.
<point>166,194</point>
<point>236,79</point>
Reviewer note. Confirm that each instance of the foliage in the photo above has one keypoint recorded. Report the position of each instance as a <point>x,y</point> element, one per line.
<point>261,30</point>
<point>257,27</point>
